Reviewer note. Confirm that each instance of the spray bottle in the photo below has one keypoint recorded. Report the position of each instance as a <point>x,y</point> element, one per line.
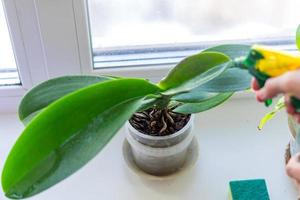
<point>264,62</point>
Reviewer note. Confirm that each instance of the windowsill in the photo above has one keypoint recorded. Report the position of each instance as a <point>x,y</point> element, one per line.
<point>230,148</point>
<point>10,97</point>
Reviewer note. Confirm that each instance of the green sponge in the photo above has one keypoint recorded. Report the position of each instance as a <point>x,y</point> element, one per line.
<point>255,189</point>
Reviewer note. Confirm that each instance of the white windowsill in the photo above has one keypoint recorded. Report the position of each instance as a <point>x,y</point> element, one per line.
<point>10,97</point>
<point>230,148</point>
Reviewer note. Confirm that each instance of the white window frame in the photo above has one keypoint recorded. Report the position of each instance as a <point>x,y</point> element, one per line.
<point>52,38</point>
<point>86,54</point>
<point>45,46</point>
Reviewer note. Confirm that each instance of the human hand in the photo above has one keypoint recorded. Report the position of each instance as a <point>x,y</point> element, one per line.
<point>287,84</point>
<point>293,169</point>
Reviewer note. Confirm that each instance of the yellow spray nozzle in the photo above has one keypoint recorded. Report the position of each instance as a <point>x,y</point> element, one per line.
<point>275,62</point>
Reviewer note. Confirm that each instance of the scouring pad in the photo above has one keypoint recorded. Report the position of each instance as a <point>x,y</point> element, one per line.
<point>255,189</point>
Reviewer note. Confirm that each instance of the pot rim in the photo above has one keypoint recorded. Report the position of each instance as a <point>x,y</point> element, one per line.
<point>150,137</point>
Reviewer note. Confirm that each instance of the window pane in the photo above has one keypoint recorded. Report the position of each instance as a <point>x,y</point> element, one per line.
<point>8,69</point>
<point>119,25</point>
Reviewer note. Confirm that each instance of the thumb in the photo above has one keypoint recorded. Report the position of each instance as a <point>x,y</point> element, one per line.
<point>293,167</point>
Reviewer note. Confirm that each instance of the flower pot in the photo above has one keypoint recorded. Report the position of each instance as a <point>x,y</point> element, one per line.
<point>160,155</point>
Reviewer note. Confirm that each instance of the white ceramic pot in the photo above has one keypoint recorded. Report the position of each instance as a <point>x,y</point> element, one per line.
<point>160,155</point>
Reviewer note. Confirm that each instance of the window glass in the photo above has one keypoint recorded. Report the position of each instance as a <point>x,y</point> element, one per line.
<point>119,25</point>
<point>8,69</point>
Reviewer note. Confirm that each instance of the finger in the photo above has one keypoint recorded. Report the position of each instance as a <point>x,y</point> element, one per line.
<point>254,84</point>
<point>293,167</point>
<point>272,88</point>
<point>289,108</point>
<point>287,99</point>
<point>258,99</point>
<point>297,116</point>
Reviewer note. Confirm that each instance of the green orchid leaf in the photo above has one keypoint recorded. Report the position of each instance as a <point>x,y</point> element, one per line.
<point>28,119</point>
<point>68,133</point>
<point>231,50</point>
<point>232,80</point>
<point>193,96</point>
<point>298,37</point>
<point>47,92</point>
<point>172,104</point>
<point>188,108</point>
<point>148,102</point>
<point>194,71</point>
<point>279,105</point>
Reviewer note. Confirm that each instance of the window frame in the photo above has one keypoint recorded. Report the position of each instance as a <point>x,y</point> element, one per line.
<point>10,95</point>
<point>36,35</point>
<point>86,52</point>
<point>48,45</point>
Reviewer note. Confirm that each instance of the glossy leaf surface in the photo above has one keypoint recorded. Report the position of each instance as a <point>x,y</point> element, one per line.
<point>232,80</point>
<point>193,96</point>
<point>194,71</point>
<point>214,101</point>
<point>47,92</point>
<point>231,50</point>
<point>70,132</point>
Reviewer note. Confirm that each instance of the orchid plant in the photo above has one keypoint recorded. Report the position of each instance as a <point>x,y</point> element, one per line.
<point>68,120</point>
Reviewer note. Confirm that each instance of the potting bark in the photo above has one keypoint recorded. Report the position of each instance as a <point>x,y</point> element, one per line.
<point>157,122</point>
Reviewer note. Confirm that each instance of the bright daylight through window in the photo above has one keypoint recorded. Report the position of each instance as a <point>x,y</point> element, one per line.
<point>8,69</point>
<point>135,27</point>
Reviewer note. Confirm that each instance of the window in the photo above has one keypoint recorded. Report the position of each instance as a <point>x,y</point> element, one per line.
<point>147,32</point>
<point>137,38</point>
<point>8,69</point>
